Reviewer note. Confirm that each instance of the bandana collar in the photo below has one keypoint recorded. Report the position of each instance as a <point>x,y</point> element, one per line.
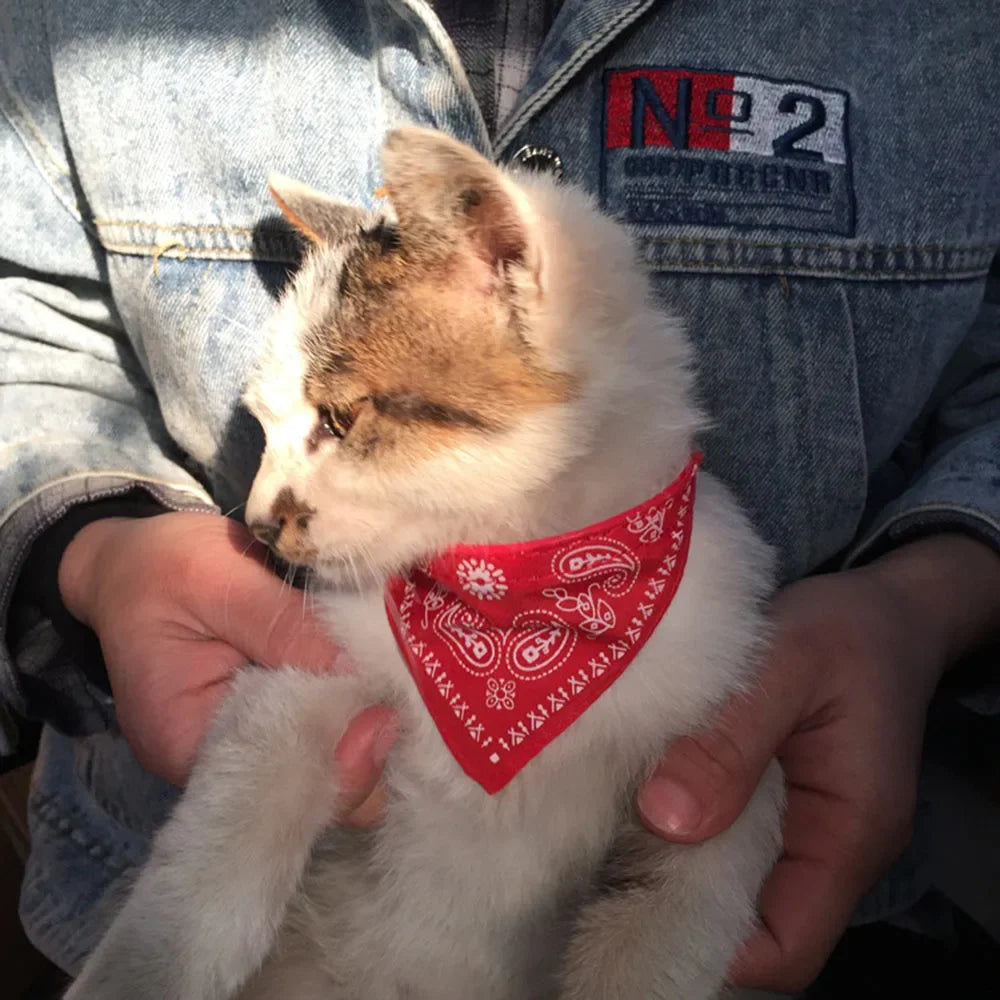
<point>509,644</point>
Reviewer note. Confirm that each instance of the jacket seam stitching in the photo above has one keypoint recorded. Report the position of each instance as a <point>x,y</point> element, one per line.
<point>864,248</point>
<point>678,241</point>
<point>181,251</point>
<point>50,154</point>
<point>751,268</point>
<point>47,807</point>
<point>172,226</point>
<point>39,150</point>
<point>580,56</point>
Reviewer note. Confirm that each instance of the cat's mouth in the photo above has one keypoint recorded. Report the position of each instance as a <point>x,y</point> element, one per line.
<point>347,572</point>
<point>292,571</point>
<point>342,573</point>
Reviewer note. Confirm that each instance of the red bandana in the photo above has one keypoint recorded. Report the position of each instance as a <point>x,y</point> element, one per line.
<point>508,644</point>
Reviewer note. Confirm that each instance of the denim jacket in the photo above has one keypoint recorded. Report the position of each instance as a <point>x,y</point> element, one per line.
<point>814,187</point>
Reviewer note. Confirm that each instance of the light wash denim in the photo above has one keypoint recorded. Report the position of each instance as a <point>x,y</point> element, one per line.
<point>832,264</point>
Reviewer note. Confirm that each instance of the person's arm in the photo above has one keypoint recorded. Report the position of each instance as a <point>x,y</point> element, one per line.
<point>843,695</point>
<point>85,458</point>
<point>842,702</point>
<point>79,422</point>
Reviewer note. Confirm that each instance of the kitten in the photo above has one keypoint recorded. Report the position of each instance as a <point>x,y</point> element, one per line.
<point>482,367</point>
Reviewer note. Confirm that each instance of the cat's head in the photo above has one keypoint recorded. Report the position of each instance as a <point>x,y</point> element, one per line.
<point>431,368</point>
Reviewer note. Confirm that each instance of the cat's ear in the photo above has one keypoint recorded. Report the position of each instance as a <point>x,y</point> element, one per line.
<point>439,186</point>
<point>320,218</point>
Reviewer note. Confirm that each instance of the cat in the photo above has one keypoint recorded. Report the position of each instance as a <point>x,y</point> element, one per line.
<point>480,364</point>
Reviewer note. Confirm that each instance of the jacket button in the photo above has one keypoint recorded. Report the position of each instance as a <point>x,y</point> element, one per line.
<point>538,159</point>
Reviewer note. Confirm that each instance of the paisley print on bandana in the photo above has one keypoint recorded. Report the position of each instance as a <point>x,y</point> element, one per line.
<point>509,644</point>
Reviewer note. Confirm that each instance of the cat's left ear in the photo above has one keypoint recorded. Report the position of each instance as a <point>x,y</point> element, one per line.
<point>320,218</point>
<point>443,189</point>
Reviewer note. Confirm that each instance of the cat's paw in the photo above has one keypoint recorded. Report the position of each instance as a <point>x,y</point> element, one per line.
<point>617,953</point>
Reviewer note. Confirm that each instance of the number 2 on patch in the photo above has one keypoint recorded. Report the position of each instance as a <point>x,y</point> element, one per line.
<point>784,145</point>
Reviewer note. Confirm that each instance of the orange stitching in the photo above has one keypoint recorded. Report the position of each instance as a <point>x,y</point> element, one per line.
<point>49,152</point>
<point>166,250</point>
<point>157,225</point>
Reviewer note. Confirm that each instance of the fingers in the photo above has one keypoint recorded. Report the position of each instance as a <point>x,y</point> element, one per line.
<point>360,756</point>
<point>841,831</point>
<point>268,621</point>
<point>705,780</point>
<point>829,863</point>
<point>804,907</point>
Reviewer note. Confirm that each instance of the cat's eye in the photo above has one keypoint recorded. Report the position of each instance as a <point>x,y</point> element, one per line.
<point>336,421</point>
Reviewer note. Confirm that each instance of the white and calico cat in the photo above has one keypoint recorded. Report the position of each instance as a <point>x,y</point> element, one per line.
<point>481,365</point>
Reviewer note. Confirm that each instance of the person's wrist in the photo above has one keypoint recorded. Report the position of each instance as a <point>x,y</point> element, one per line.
<point>78,577</point>
<point>945,591</point>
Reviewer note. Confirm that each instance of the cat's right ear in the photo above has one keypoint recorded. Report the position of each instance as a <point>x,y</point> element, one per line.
<point>320,218</point>
<point>441,187</point>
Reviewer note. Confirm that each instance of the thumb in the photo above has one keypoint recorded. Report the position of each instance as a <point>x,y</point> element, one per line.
<point>360,755</point>
<point>703,783</point>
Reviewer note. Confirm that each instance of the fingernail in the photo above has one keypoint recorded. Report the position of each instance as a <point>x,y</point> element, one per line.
<point>669,807</point>
<point>385,740</point>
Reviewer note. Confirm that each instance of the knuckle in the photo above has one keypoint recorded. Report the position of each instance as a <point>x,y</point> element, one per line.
<point>719,761</point>
<point>728,759</point>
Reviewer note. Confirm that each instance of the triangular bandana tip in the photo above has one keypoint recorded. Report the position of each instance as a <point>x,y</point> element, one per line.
<point>509,644</point>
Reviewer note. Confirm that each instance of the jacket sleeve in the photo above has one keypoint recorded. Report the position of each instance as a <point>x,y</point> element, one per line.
<point>79,421</point>
<point>949,467</point>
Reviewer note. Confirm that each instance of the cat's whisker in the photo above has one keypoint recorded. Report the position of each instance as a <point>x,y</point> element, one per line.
<point>370,561</point>
<point>233,510</point>
<point>226,603</point>
<point>353,569</point>
<point>286,582</point>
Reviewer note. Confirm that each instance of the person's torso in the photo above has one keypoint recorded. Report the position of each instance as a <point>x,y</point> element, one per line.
<point>814,189</point>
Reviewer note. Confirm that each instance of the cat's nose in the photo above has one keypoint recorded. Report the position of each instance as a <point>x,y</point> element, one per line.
<point>284,528</point>
<point>266,532</point>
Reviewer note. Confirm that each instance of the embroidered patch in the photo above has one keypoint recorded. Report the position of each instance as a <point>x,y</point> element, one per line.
<point>694,147</point>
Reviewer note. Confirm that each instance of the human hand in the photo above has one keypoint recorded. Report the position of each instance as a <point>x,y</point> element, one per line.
<point>179,602</point>
<point>841,701</point>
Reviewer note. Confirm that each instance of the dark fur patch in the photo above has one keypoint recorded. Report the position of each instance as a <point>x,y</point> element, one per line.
<point>423,329</point>
<point>411,406</point>
<point>635,863</point>
<point>287,508</point>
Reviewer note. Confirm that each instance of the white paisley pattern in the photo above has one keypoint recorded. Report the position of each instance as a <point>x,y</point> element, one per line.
<point>649,524</point>
<point>481,579</point>
<point>500,694</point>
<point>508,653</point>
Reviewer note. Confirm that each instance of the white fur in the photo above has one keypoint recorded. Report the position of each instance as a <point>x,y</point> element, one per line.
<point>458,894</point>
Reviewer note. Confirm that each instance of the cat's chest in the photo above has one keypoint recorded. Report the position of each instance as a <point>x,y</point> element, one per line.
<point>575,783</point>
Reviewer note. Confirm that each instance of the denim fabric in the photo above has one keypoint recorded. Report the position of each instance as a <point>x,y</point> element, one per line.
<point>832,266</point>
